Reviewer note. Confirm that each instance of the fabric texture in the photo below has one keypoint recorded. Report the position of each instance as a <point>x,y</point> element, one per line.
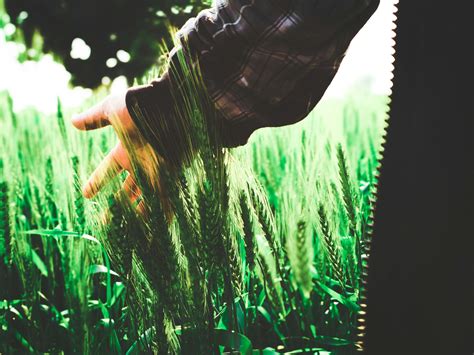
<point>265,63</point>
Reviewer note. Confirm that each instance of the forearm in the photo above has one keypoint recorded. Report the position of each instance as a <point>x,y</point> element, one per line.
<point>264,63</point>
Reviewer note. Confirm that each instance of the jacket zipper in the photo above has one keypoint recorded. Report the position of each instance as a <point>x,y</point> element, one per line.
<point>362,314</point>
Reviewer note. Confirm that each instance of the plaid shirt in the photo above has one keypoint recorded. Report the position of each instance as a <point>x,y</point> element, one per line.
<point>264,62</point>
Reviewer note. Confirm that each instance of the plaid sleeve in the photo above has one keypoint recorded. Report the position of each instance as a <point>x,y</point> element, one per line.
<point>269,62</point>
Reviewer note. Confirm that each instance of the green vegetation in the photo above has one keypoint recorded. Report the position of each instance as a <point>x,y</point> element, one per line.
<point>261,249</point>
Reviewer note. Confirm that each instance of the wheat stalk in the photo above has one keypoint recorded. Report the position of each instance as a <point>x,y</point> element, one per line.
<point>5,237</point>
<point>79,220</point>
<point>249,236</point>
<point>272,291</point>
<point>120,247</point>
<point>50,206</point>
<point>266,220</point>
<point>351,202</point>
<point>331,247</point>
<point>348,192</point>
<point>303,261</point>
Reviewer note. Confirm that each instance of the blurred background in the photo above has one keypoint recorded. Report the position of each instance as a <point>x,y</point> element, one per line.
<point>67,49</point>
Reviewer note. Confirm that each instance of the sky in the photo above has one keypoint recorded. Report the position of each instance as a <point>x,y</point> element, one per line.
<point>39,84</point>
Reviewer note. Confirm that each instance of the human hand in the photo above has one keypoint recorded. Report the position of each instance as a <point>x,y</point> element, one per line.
<point>113,111</point>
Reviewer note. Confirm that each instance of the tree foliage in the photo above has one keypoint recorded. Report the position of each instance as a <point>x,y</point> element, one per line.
<point>107,26</point>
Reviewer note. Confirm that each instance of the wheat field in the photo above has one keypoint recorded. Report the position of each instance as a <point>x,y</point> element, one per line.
<point>262,249</point>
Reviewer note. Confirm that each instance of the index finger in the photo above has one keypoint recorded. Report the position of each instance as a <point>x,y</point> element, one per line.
<point>93,118</point>
<point>107,169</point>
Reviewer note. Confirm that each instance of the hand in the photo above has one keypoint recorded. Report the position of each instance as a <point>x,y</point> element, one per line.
<point>113,111</point>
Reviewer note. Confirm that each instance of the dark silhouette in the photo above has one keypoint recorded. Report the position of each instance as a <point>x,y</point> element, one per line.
<point>420,268</point>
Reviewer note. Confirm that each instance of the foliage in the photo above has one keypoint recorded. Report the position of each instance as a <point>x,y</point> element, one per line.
<point>137,27</point>
<point>262,259</point>
<point>250,248</point>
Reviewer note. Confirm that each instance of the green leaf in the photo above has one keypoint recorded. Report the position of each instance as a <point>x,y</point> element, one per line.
<point>52,233</point>
<point>265,314</point>
<point>7,304</point>
<point>137,346</point>
<point>39,263</point>
<point>101,269</point>
<point>222,324</point>
<point>226,314</point>
<point>93,304</point>
<point>338,297</point>
<point>107,322</point>
<point>268,317</point>
<point>89,237</point>
<point>233,340</point>
<point>104,310</point>
<point>261,297</point>
<point>61,233</point>
<point>115,343</point>
<point>119,288</point>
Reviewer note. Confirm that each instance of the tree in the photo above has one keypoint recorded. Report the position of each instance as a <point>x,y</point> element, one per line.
<point>134,27</point>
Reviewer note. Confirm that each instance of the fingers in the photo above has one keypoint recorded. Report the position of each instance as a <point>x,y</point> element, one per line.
<point>109,167</point>
<point>131,189</point>
<point>93,118</point>
<point>135,195</point>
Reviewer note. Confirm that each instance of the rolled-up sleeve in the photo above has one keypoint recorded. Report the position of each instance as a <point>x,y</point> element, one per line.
<point>263,62</point>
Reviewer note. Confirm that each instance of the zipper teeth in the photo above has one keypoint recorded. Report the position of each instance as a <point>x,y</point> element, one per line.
<point>362,314</point>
